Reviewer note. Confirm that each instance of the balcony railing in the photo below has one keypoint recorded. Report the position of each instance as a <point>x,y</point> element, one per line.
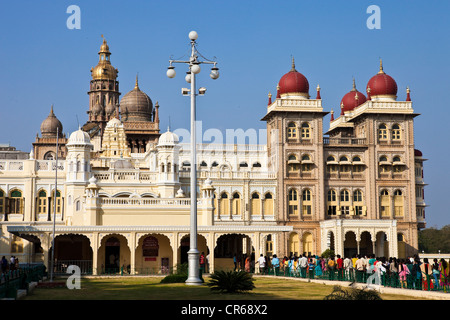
<point>344,141</point>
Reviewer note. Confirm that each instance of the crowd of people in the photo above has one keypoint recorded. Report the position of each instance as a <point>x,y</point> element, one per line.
<point>9,265</point>
<point>411,272</point>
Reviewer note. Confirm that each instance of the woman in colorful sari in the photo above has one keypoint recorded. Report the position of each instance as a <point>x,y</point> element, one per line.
<point>318,268</point>
<point>403,273</point>
<point>443,269</point>
<point>247,264</point>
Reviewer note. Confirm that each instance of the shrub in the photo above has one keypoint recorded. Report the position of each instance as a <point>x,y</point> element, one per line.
<point>175,278</point>
<point>328,253</point>
<point>352,294</point>
<point>231,282</point>
<point>180,276</point>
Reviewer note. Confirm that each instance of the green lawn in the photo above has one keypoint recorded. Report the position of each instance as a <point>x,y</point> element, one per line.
<point>149,288</point>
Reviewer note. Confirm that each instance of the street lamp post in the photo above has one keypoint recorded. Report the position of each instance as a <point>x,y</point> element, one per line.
<point>194,68</point>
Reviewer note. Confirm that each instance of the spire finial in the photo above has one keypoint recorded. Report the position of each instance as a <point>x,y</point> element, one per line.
<point>293,64</point>
<point>354,85</point>
<point>136,85</point>
<point>381,66</point>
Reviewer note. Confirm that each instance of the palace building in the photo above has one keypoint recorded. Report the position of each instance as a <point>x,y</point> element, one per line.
<point>118,194</point>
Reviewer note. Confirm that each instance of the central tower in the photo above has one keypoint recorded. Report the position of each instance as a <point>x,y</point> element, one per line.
<point>103,96</point>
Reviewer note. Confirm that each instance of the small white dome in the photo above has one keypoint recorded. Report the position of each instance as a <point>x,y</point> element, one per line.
<point>168,139</point>
<point>79,137</point>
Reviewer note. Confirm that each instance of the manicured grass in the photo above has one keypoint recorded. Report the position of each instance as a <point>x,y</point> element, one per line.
<point>150,288</point>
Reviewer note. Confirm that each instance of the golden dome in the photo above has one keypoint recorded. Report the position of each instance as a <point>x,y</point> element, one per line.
<point>104,70</point>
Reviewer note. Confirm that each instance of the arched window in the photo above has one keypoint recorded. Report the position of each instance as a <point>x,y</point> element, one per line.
<point>306,131</point>
<point>203,164</point>
<point>331,195</point>
<point>292,130</point>
<point>382,132</point>
<point>398,203</point>
<point>236,203</point>
<point>396,136</point>
<point>306,202</point>
<point>268,204</point>
<point>16,202</point>
<point>255,204</point>
<point>357,196</point>
<point>332,202</point>
<point>58,202</point>
<point>345,202</point>
<point>243,165</point>
<point>293,164</point>
<point>293,202</point>
<point>257,165</point>
<point>358,202</point>
<point>224,204</point>
<point>384,203</point>
<point>306,163</point>
<point>42,202</point>
<point>345,195</point>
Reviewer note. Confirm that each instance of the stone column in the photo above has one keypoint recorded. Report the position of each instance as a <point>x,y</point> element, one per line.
<point>133,245</point>
<point>95,246</point>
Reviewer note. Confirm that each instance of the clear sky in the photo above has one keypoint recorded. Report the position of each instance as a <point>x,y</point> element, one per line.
<point>42,62</point>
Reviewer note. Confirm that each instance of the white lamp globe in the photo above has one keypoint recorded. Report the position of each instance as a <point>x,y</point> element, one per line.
<point>214,73</point>
<point>195,68</point>
<point>171,72</point>
<point>193,35</point>
<point>188,77</point>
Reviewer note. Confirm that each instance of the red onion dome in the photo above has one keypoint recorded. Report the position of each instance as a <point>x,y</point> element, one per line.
<point>417,153</point>
<point>352,99</point>
<point>382,84</point>
<point>293,82</point>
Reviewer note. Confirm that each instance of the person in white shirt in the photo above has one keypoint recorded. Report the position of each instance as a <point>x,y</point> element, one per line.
<point>262,263</point>
<point>303,264</point>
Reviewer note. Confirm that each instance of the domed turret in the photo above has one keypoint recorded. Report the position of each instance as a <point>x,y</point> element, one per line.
<point>294,83</point>
<point>382,85</point>
<point>136,105</point>
<point>79,137</point>
<point>352,99</point>
<point>168,139</point>
<point>104,70</point>
<point>51,125</point>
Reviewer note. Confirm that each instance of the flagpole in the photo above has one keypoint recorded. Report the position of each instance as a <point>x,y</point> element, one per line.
<point>54,207</point>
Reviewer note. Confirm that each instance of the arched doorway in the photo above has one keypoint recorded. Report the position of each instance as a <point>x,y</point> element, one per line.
<point>307,240</point>
<point>72,249</point>
<point>154,255</point>
<point>381,245</point>
<point>366,245</point>
<point>350,244</point>
<point>230,247</point>
<point>185,247</point>
<point>294,245</point>
<point>114,254</point>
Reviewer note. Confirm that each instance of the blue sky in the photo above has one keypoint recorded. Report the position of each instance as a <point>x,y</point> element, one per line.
<point>42,62</point>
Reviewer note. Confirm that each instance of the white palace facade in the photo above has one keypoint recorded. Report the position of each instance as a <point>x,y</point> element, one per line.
<point>123,189</point>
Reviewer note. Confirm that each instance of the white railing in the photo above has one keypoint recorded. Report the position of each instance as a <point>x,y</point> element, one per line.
<point>125,176</point>
<point>230,175</point>
<point>49,165</point>
<point>145,202</point>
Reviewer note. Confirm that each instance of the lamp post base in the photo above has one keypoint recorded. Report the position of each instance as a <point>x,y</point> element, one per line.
<point>193,268</point>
